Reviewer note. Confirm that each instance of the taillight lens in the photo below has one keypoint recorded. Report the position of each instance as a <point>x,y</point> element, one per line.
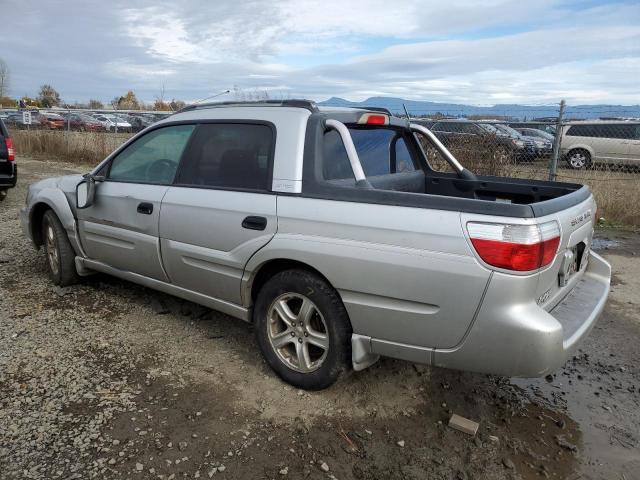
<point>374,119</point>
<point>520,248</point>
<point>10,150</point>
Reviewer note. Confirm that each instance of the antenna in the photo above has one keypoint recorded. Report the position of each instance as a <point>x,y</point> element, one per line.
<point>406,112</point>
<point>212,96</point>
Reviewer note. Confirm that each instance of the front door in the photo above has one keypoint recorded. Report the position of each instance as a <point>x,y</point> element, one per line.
<point>220,210</point>
<point>121,228</point>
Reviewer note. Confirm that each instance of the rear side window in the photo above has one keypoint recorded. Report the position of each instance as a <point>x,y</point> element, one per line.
<point>607,130</point>
<point>381,151</point>
<point>233,155</point>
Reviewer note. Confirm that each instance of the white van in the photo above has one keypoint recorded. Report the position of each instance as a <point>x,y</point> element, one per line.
<point>584,144</point>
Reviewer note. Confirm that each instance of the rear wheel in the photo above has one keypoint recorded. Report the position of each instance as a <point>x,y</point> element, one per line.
<point>59,252</point>
<point>3,195</point>
<point>579,159</point>
<point>303,329</point>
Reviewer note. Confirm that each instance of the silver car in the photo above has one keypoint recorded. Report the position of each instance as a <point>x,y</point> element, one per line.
<point>603,142</point>
<point>330,232</point>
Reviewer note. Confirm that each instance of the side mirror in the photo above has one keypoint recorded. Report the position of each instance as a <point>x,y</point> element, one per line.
<point>85,193</point>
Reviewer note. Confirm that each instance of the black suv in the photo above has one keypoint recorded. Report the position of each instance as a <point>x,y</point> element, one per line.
<point>8,169</point>
<point>503,147</point>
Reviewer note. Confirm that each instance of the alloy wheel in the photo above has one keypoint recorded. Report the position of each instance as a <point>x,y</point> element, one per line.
<point>52,250</point>
<point>578,160</point>
<point>297,332</point>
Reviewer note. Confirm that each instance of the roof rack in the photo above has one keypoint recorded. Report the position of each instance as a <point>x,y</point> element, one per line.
<point>308,104</point>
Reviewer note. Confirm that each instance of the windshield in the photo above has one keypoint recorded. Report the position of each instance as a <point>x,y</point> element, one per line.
<point>508,130</point>
<point>489,128</point>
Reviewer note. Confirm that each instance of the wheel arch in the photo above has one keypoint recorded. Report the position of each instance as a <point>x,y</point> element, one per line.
<point>52,199</point>
<point>581,146</point>
<point>267,269</point>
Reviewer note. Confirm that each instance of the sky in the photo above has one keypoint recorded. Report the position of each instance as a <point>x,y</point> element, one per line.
<point>480,52</point>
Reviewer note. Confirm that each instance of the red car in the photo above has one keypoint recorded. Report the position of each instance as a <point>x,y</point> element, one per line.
<point>84,123</point>
<point>52,121</point>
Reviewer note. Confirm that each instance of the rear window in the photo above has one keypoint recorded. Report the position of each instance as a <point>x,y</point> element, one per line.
<point>232,156</point>
<point>382,151</point>
<point>607,130</point>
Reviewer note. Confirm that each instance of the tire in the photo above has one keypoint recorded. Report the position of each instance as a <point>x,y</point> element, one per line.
<point>3,195</point>
<point>579,159</point>
<point>294,347</point>
<point>58,251</point>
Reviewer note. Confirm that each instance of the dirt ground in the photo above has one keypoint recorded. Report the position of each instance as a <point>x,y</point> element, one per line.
<point>107,379</point>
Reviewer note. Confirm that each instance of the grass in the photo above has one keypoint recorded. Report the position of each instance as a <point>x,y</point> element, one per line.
<point>87,148</point>
<point>617,193</point>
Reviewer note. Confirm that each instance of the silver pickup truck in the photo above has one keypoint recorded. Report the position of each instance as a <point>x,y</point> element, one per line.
<point>330,232</point>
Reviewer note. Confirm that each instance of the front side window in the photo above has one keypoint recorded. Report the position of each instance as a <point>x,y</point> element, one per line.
<point>233,155</point>
<point>153,158</point>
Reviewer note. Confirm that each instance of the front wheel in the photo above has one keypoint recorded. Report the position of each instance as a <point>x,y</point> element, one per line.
<point>59,252</point>
<point>303,329</point>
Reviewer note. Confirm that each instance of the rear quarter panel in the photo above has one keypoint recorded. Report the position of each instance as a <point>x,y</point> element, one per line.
<point>405,274</point>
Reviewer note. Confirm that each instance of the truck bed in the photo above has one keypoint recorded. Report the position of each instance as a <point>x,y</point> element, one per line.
<point>503,196</point>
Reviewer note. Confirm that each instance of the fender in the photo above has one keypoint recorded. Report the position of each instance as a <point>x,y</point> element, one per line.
<point>58,202</point>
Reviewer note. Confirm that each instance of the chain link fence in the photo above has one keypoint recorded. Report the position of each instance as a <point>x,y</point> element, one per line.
<point>594,145</point>
<point>75,135</point>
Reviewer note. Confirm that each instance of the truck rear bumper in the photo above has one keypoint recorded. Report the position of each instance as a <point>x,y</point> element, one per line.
<point>511,338</point>
<point>525,340</point>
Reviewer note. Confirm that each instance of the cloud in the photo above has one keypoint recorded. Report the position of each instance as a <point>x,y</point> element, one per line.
<point>482,51</point>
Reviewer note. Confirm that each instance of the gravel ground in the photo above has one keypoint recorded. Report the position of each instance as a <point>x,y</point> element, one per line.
<point>107,379</point>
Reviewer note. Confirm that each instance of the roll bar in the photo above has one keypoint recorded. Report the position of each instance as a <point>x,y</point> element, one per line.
<point>448,156</point>
<point>352,153</point>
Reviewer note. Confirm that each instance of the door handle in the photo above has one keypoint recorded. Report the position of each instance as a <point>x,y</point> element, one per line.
<point>254,223</point>
<point>145,208</point>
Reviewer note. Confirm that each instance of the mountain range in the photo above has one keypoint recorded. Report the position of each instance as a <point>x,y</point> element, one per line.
<point>516,111</point>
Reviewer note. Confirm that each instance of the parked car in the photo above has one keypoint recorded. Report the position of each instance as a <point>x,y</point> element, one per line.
<point>51,121</point>
<point>113,122</point>
<point>540,147</point>
<point>585,144</point>
<point>138,122</point>
<point>16,120</point>
<point>330,232</point>
<point>84,123</point>
<point>548,127</point>
<point>8,168</point>
<point>504,147</point>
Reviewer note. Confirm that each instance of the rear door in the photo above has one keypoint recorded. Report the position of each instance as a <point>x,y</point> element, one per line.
<point>121,228</point>
<point>611,143</point>
<point>221,210</point>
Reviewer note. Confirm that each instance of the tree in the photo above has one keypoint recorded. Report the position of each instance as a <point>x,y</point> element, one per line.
<point>4,78</point>
<point>95,104</point>
<point>48,96</point>
<point>127,102</point>
<point>161,106</point>
<point>176,104</point>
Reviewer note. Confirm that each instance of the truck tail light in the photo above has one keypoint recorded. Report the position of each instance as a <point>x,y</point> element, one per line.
<point>521,248</point>
<point>10,150</point>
